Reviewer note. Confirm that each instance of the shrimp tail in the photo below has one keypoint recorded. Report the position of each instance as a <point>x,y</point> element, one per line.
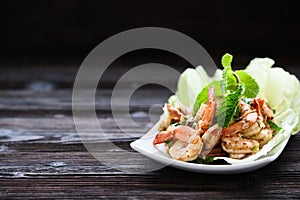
<point>163,136</point>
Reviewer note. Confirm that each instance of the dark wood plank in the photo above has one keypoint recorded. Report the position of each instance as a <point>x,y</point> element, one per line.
<point>82,176</point>
<point>61,76</point>
<point>55,158</point>
<point>41,156</point>
<point>61,100</point>
<point>191,186</point>
<point>61,128</point>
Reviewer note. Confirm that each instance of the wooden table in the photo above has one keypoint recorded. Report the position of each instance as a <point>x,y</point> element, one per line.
<point>41,155</point>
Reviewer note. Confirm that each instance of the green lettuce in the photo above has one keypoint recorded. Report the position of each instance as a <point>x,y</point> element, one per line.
<point>280,88</point>
<point>203,95</point>
<point>190,83</point>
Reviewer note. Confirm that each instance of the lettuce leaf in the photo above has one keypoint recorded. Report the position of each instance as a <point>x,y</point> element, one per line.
<point>277,86</point>
<point>203,95</point>
<point>296,108</point>
<point>190,83</point>
<point>174,101</point>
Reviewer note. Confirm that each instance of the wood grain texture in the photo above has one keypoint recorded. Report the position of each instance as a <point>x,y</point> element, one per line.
<point>24,100</point>
<point>42,156</point>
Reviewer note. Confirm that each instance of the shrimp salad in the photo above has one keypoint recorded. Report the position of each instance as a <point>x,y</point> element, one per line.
<point>229,117</point>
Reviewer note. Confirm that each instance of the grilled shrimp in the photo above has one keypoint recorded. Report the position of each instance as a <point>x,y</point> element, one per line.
<point>261,130</point>
<point>188,143</point>
<point>252,127</point>
<point>206,112</point>
<point>242,138</point>
<point>253,120</point>
<point>239,147</point>
<point>263,137</point>
<point>249,118</point>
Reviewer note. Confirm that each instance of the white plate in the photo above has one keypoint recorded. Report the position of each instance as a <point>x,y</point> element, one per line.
<point>144,146</point>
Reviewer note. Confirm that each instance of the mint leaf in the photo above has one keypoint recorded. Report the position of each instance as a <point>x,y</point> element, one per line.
<point>251,86</point>
<point>231,82</point>
<point>234,85</point>
<point>233,91</point>
<point>203,95</point>
<point>224,81</point>
<point>229,106</point>
<point>226,63</point>
<point>226,60</point>
<point>228,80</point>
<point>274,125</point>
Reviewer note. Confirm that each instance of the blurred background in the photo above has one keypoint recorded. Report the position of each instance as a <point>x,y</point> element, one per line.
<point>57,35</point>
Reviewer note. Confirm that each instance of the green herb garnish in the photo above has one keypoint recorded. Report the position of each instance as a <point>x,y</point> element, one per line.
<point>233,86</point>
<point>229,106</point>
<point>203,95</point>
<point>169,144</point>
<point>233,92</point>
<point>207,160</point>
<point>274,125</point>
<point>228,80</point>
<point>255,148</point>
<point>251,86</point>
